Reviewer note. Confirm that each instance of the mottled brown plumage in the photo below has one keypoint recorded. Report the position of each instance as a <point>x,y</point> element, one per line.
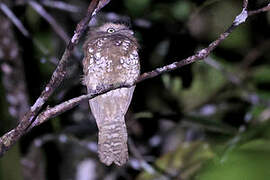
<point>111,57</point>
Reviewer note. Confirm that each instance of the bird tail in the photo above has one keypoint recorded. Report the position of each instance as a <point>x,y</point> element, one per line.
<point>112,142</point>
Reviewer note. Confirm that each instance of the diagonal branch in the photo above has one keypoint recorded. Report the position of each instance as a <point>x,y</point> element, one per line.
<point>27,123</point>
<point>43,13</point>
<point>14,19</point>
<point>202,54</point>
<point>58,109</point>
<point>8,139</point>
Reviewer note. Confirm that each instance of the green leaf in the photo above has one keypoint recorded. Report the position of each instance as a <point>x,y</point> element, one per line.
<point>137,7</point>
<point>248,162</point>
<point>185,159</point>
<point>239,39</point>
<point>10,165</point>
<point>206,82</point>
<point>181,10</point>
<point>261,74</point>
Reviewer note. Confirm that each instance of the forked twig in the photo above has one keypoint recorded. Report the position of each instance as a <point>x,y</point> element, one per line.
<point>8,139</point>
<point>31,119</point>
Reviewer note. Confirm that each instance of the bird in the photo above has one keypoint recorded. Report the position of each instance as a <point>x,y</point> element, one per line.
<point>111,57</point>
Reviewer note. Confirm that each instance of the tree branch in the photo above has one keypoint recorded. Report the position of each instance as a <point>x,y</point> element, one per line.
<point>14,19</point>
<point>58,109</point>
<point>264,9</point>
<point>8,139</point>
<point>11,137</point>
<point>61,6</point>
<point>43,13</point>
<point>202,54</point>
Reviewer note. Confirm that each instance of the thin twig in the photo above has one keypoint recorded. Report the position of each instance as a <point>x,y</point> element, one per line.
<point>136,153</point>
<point>230,76</point>
<point>43,13</point>
<point>264,9</point>
<point>198,56</point>
<point>202,54</point>
<point>254,53</point>
<point>61,5</point>
<point>245,4</point>
<point>11,137</point>
<point>14,19</point>
<point>247,94</point>
<point>8,139</point>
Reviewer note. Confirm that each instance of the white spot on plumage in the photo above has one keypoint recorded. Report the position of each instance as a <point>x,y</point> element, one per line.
<point>109,65</point>
<point>107,145</point>
<point>118,43</point>
<point>116,144</point>
<point>97,55</point>
<point>100,43</point>
<point>91,60</point>
<point>114,60</point>
<point>135,53</point>
<point>91,50</point>
<point>125,45</point>
<point>122,60</point>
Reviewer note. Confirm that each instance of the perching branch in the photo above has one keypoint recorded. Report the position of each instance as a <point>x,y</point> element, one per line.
<point>58,109</point>
<point>30,120</point>
<point>8,139</point>
<point>202,54</point>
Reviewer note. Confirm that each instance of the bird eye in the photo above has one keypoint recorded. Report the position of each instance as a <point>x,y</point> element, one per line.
<point>110,30</point>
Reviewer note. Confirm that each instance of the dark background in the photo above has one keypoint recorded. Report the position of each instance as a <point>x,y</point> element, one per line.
<point>207,120</point>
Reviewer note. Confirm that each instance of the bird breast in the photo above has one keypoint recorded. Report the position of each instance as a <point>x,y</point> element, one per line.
<point>112,59</point>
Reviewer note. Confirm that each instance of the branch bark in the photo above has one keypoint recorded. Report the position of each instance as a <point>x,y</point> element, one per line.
<point>31,119</point>
<point>202,54</point>
<point>264,9</point>
<point>8,139</point>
